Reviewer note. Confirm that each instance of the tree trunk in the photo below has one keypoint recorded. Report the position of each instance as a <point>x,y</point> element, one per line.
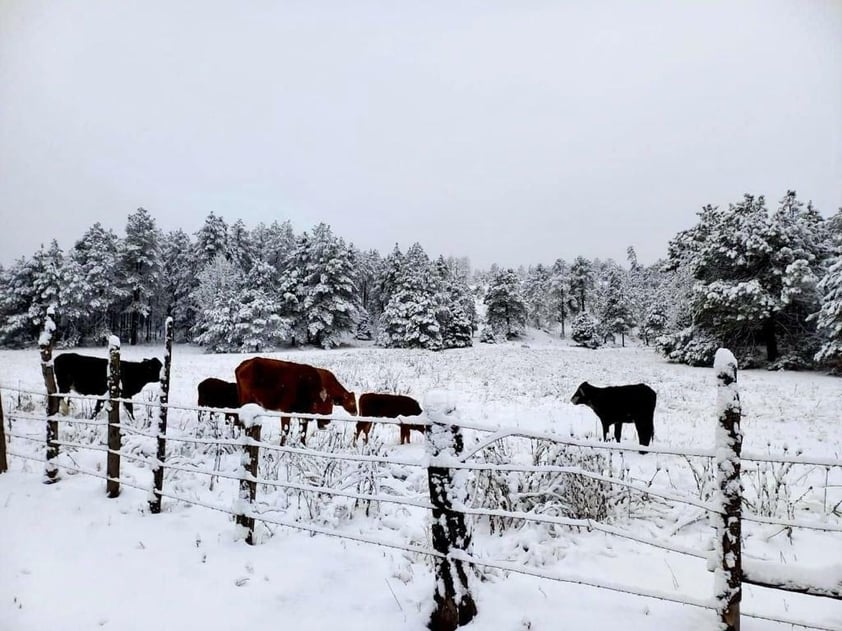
<point>770,339</point>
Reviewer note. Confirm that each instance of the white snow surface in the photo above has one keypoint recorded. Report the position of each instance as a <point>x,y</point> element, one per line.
<point>71,559</point>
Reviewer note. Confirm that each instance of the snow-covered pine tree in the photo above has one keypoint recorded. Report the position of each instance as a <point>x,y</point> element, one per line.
<point>140,255</point>
<point>329,295</point>
<point>562,301</point>
<point>537,296</point>
<point>240,246</point>
<point>274,244</point>
<point>179,281</point>
<point>47,282</point>
<point>829,316</point>
<point>259,323</point>
<point>454,306</point>
<point>614,302</point>
<point>16,295</point>
<point>409,318</point>
<point>505,309</point>
<point>217,306</point>
<point>93,291</point>
<point>581,282</point>
<point>212,240</point>
<point>755,278</point>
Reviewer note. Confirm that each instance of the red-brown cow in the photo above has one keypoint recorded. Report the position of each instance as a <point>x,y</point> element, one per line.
<point>337,394</point>
<point>285,387</point>
<point>388,406</point>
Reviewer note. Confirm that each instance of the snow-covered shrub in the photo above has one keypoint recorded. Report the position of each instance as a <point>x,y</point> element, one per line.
<point>688,346</point>
<point>584,331</point>
<point>551,493</point>
<point>770,488</point>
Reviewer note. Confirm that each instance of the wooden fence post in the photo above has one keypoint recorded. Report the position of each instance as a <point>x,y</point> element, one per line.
<point>112,484</point>
<point>249,422</point>
<point>158,469</point>
<point>454,605</point>
<point>729,440</point>
<point>4,466</point>
<point>45,345</point>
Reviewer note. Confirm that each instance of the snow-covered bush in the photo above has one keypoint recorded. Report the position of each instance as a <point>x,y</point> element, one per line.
<point>551,493</point>
<point>688,346</point>
<point>584,331</point>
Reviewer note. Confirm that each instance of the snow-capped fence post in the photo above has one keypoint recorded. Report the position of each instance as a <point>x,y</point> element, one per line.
<point>729,440</point>
<point>249,421</point>
<point>454,605</point>
<point>45,345</point>
<point>112,483</point>
<point>163,402</point>
<point>3,464</point>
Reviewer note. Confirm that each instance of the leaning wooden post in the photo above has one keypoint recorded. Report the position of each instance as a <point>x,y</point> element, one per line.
<point>112,483</point>
<point>163,402</point>
<point>4,466</point>
<point>454,605</point>
<point>45,344</point>
<point>249,420</point>
<point>729,440</point>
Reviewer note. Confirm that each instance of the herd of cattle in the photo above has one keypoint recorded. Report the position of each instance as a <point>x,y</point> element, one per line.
<point>291,387</point>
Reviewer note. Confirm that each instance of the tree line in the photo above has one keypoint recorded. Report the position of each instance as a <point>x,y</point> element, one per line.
<point>766,283</point>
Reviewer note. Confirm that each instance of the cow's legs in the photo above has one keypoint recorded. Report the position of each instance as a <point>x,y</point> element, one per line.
<point>618,430</point>
<point>129,410</point>
<point>284,429</point>
<point>605,427</point>
<point>98,407</point>
<point>302,424</point>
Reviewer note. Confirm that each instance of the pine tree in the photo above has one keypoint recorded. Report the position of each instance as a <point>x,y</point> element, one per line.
<point>505,308</point>
<point>217,303</point>
<point>562,301</point>
<point>141,268</point>
<point>274,245</point>
<point>16,295</point>
<point>47,281</point>
<point>327,289</point>
<point>614,303</point>
<point>93,285</point>
<point>409,318</point>
<point>537,295</point>
<point>755,275</point>
<point>212,240</point>
<point>179,278</point>
<point>829,316</point>
<point>239,246</point>
<point>581,282</point>
<point>455,304</point>
<point>259,323</point>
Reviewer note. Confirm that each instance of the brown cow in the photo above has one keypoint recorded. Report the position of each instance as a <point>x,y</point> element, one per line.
<point>388,406</point>
<point>337,394</point>
<point>216,393</point>
<point>283,386</point>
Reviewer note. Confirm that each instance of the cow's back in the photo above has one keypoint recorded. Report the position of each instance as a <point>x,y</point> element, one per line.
<point>280,385</point>
<point>82,373</point>
<point>388,405</point>
<point>215,392</point>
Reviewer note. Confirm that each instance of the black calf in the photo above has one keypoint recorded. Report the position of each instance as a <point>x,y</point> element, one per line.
<point>216,393</point>
<point>620,404</point>
<point>89,375</point>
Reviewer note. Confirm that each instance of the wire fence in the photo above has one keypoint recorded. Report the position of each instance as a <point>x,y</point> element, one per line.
<point>458,461</point>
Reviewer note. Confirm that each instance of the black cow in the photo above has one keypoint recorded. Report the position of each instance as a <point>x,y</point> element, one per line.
<point>216,393</point>
<point>89,375</point>
<point>620,404</point>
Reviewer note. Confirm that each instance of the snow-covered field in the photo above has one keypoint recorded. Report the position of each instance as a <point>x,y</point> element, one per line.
<point>72,559</point>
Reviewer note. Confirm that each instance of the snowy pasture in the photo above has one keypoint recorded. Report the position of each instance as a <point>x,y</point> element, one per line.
<point>72,559</point>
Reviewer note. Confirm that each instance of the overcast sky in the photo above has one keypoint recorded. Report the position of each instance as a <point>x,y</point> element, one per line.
<point>510,132</point>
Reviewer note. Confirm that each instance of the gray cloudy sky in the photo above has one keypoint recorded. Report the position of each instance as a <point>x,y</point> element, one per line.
<point>510,132</point>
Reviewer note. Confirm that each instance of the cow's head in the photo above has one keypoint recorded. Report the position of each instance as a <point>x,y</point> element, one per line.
<point>581,395</point>
<point>152,369</point>
<point>349,402</point>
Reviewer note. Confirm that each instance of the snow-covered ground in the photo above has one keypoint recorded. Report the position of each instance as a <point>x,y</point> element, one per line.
<point>72,559</point>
